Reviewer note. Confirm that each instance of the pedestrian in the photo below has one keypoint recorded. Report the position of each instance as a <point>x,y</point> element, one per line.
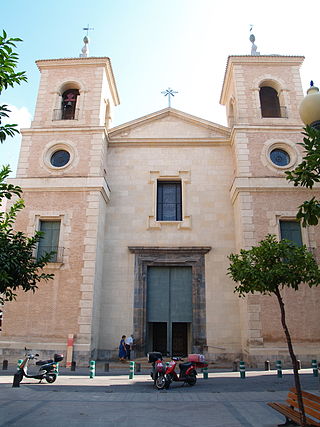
<point>129,343</point>
<point>122,349</point>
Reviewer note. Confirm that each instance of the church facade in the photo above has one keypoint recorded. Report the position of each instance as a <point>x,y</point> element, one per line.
<point>143,216</point>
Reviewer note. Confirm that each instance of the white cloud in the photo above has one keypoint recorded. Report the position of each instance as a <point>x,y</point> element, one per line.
<point>20,116</point>
<point>9,149</point>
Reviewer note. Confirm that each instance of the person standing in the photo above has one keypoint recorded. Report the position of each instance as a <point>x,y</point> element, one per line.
<point>129,343</point>
<point>122,349</point>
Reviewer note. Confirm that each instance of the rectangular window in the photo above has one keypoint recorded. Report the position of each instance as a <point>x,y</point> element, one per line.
<point>169,201</point>
<point>50,239</point>
<point>291,230</point>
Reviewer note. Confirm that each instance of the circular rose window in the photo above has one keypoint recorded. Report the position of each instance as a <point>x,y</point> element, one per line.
<point>279,157</point>
<point>60,158</point>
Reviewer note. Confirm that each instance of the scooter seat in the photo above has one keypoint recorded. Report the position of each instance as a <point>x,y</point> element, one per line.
<point>43,362</point>
<point>184,366</point>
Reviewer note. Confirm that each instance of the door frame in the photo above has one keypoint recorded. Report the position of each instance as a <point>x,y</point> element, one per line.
<point>194,257</point>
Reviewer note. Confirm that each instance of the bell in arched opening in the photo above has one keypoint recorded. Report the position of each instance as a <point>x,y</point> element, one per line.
<point>69,102</point>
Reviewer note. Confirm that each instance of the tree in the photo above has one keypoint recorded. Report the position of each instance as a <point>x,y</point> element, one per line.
<point>267,269</point>
<point>306,174</point>
<point>18,266</point>
<point>8,77</point>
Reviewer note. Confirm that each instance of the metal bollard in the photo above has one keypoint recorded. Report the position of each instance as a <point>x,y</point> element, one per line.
<point>314,365</point>
<point>131,373</point>
<point>92,368</point>
<point>106,367</point>
<point>205,373</point>
<point>267,365</point>
<point>73,366</point>
<point>138,367</point>
<point>279,369</point>
<point>19,363</point>
<point>4,365</point>
<point>242,369</point>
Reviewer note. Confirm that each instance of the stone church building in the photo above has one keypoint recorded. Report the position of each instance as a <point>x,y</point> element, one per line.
<point>142,217</point>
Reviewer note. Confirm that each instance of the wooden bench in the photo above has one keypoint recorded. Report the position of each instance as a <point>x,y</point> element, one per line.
<point>291,410</point>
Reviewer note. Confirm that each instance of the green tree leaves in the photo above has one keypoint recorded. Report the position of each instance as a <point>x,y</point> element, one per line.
<point>306,174</point>
<point>272,265</point>
<point>269,267</point>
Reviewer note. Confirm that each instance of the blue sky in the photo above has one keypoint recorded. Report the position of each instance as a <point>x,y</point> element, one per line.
<point>154,44</point>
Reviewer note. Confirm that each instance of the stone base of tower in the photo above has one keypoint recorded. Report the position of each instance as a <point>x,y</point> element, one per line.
<point>15,350</point>
<point>256,357</point>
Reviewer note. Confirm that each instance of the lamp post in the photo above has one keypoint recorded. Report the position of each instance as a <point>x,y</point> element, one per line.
<point>310,107</point>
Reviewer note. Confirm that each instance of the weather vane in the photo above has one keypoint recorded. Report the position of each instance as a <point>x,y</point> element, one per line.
<point>87,29</point>
<point>169,92</point>
<point>85,49</point>
<point>253,47</point>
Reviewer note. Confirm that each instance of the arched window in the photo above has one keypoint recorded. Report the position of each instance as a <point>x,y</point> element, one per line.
<point>69,102</point>
<point>269,101</point>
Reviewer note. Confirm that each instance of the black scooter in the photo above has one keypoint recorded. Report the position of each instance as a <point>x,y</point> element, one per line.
<point>47,370</point>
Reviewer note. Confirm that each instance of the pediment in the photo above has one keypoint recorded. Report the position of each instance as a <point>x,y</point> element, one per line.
<point>169,124</point>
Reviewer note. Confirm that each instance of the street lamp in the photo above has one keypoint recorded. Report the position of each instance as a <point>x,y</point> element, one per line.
<point>310,107</point>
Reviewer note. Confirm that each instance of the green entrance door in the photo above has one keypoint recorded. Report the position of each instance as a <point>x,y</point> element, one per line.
<point>169,309</point>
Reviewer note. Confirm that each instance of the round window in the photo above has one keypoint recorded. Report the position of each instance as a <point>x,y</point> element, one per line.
<point>60,158</point>
<point>279,157</point>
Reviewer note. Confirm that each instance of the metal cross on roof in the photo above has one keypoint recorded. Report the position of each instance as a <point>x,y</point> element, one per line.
<point>169,92</point>
<point>87,29</point>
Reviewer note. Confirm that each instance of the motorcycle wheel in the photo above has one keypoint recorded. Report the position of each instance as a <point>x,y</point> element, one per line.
<point>191,380</point>
<point>160,382</point>
<point>50,378</point>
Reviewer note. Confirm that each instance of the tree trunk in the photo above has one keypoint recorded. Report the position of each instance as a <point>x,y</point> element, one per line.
<point>293,359</point>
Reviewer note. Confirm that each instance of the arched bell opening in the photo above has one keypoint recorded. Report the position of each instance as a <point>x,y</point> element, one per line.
<point>68,105</point>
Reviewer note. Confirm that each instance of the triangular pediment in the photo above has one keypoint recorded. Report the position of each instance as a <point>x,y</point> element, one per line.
<point>169,124</point>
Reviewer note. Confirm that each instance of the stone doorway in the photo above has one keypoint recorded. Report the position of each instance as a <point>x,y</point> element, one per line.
<point>193,257</point>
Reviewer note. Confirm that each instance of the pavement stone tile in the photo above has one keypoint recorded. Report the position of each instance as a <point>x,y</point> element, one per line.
<point>223,400</point>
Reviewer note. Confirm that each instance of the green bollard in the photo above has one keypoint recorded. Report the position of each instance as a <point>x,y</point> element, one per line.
<point>205,373</point>
<point>131,373</point>
<point>279,369</point>
<point>242,369</point>
<point>314,365</point>
<point>92,368</point>
<point>19,363</point>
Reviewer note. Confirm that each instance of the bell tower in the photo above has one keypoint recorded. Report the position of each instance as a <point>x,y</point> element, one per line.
<point>262,94</point>
<point>62,171</point>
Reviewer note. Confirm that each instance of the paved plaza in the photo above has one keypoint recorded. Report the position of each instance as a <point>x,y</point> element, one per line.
<point>112,399</point>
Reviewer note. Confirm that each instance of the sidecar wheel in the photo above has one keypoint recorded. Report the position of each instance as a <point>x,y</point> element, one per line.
<point>50,378</point>
<point>160,382</point>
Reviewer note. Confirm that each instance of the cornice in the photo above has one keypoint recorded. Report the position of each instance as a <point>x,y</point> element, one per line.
<point>63,184</point>
<point>167,142</point>
<point>62,62</point>
<point>266,128</point>
<point>263,184</point>
<point>78,129</point>
<point>148,250</point>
